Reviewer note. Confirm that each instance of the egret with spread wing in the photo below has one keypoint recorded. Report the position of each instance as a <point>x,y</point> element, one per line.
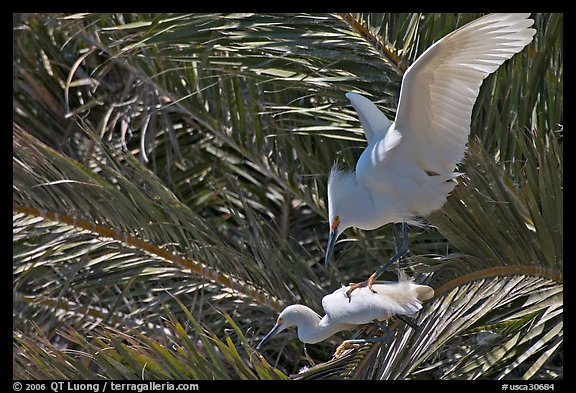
<point>407,169</point>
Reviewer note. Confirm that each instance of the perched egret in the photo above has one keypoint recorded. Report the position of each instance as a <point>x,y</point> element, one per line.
<point>407,169</point>
<point>344,312</point>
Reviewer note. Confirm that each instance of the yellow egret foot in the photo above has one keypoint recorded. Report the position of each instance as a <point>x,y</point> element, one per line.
<point>368,283</point>
<point>355,344</point>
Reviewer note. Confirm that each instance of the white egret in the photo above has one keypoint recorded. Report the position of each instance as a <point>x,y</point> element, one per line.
<point>345,312</point>
<point>407,168</point>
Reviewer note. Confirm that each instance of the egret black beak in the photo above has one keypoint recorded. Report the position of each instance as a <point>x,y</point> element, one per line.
<point>330,247</point>
<point>272,332</point>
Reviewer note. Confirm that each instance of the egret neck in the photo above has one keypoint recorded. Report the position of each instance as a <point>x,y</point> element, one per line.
<point>311,328</point>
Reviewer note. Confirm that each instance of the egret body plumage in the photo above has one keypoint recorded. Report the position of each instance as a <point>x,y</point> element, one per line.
<point>407,168</point>
<point>344,312</point>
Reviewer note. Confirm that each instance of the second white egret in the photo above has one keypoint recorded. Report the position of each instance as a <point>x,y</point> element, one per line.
<point>345,312</point>
<point>407,169</point>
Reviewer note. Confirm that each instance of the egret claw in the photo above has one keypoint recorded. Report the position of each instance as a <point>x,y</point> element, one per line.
<point>356,343</point>
<point>346,345</point>
<point>354,286</point>
<point>368,283</point>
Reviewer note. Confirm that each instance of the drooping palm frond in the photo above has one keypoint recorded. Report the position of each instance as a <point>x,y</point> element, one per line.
<point>112,201</point>
<point>184,352</point>
<point>152,148</point>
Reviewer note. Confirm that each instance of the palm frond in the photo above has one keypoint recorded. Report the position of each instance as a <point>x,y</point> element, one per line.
<point>519,231</point>
<point>184,351</point>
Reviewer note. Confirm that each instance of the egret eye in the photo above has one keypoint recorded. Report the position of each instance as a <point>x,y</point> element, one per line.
<point>280,321</point>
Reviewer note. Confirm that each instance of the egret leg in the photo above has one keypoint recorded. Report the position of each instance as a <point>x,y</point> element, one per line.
<point>310,360</point>
<point>394,236</point>
<point>408,322</point>
<point>399,252</point>
<point>396,246</point>
<point>403,249</point>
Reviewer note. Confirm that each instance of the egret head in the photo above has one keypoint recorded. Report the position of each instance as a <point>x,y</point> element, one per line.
<point>341,206</point>
<point>291,316</point>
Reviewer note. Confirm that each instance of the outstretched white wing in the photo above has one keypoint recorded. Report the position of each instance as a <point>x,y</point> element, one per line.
<point>439,90</point>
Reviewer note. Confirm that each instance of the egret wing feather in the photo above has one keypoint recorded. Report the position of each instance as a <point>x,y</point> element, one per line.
<point>364,306</point>
<point>439,90</point>
<point>374,121</point>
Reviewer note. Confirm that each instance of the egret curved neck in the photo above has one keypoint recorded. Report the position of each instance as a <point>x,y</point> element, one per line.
<point>312,333</point>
